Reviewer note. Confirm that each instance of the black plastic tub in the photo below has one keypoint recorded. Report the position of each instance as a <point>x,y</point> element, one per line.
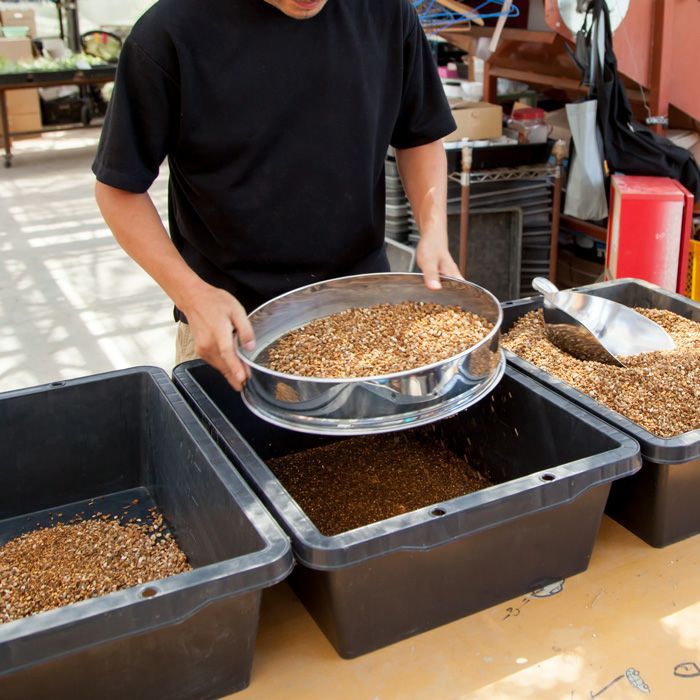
<point>377,584</point>
<point>660,503</point>
<point>96,445</point>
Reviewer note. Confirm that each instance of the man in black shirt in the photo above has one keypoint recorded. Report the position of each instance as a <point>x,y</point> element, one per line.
<point>275,131</point>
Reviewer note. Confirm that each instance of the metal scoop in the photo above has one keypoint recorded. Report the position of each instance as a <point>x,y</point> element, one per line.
<point>593,328</point>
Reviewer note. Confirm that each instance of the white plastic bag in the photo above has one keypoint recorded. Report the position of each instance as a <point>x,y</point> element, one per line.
<point>585,189</point>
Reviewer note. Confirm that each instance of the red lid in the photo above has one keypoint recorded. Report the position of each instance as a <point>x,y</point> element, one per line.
<point>527,114</point>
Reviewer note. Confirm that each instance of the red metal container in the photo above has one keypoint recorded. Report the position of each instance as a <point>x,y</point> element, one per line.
<point>649,231</point>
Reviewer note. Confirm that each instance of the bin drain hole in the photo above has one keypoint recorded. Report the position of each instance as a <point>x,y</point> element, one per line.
<point>149,592</point>
<point>437,512</point>
<point>548,477</point>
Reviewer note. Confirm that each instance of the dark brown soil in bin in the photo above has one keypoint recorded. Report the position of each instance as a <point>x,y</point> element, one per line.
<point>67,562</point>
<point>361,480</point>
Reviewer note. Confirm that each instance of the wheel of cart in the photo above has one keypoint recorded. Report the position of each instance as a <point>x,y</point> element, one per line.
<point>86,111</point>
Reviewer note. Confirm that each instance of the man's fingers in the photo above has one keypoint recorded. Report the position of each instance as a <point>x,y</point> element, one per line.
<point>225,360</point>
<point>431,277</point>
<point>233,369</point>
<point>451,269</point>
<point>240,321</point>
<point>432,272</point>
<point>233,379</point>
<point>219,352</point>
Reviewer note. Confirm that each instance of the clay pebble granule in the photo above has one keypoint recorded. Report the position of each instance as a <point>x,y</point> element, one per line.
<point>67,562</point>
<point>361,480</point>
<point>376,340</point>
<point>659,391</point>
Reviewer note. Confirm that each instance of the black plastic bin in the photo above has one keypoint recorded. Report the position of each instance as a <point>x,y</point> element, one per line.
<point>95,445</point>
<point>660,503</point>
<point>380,583</point>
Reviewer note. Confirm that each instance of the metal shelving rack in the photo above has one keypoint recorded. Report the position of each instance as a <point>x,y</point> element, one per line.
<point>548,174</point>
<point>472,191</point>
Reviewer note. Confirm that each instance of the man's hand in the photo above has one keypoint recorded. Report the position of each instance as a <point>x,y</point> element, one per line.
<point>213,316</point>
<point>434,259</point>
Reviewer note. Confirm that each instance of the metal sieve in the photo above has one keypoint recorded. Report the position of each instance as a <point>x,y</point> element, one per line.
<point>370,404</point>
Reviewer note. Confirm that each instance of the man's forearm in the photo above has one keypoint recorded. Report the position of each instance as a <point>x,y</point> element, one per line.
<point>213,314</point>
<point>136,224</point>
<point>423,172</point>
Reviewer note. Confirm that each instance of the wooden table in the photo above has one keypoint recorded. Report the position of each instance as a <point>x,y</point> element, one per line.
<point>632,618</point>
<point>98,75</point>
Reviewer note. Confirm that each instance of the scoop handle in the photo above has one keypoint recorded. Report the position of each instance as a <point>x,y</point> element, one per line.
<point>544,286</point>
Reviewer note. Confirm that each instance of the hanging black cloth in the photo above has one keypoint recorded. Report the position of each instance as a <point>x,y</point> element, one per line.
<point>630,147</point>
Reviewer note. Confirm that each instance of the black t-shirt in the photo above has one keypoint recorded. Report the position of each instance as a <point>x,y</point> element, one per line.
<point>275,131</point>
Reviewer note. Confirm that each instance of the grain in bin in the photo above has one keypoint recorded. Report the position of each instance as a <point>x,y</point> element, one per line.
<point>372,576</point>
<point>655,401</point>
<point>119,464</point>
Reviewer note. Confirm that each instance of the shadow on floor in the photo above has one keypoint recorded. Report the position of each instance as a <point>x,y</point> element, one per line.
<point>71,301</point>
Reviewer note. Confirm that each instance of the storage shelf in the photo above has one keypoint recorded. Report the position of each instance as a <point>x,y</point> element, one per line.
<point>586,227</point>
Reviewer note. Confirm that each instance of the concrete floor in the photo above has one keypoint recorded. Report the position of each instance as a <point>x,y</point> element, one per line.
<point>71,302</point>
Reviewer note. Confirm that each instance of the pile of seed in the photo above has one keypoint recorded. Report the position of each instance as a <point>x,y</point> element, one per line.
<point>361,480</point>
<point>659,391</point>
<point>65,563</point>
<point>375,340</point>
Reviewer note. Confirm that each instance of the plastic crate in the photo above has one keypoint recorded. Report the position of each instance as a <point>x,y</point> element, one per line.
<point>94,445</point>
<point>660,503</point>
<point>377,584</point>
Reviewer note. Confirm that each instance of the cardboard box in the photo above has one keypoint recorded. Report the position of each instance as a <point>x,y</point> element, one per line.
<point>683,138</point>
<point>16,49</point>
<point>24,122</point>
<point>23,101</point>
<point>477,120</point>
<point>23,106</point>
<point>558,122</point>
<point>19,18</point>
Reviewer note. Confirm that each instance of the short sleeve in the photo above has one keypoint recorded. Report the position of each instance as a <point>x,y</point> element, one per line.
<point>141,123</point>
<point>424,114</point>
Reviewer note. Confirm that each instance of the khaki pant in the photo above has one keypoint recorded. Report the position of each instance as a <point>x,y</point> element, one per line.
<point>184,344</point>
